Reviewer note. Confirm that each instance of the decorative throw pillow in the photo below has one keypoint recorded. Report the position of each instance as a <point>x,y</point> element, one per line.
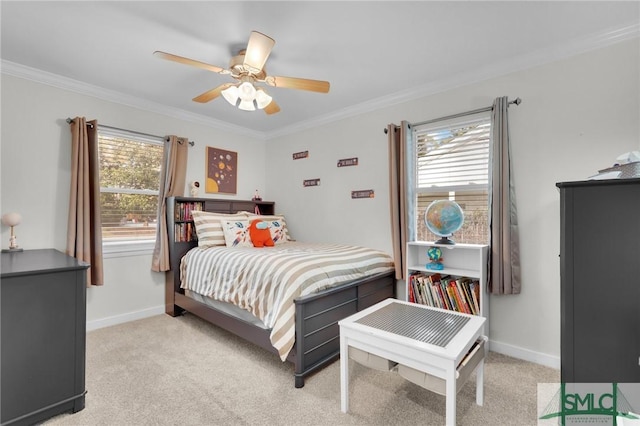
<point>277,226</point>
<point>209,227</point>
<point>278,231</point>
<point>236,233</point>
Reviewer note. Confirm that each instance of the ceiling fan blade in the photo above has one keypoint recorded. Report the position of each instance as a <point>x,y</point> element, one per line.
<point>272,108</point>
<point>298,83</point>
<point>258,50</point>
<point>192,62</point>
<point>211,94</point>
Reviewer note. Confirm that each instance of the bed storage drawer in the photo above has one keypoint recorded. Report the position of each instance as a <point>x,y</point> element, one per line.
<point>438,385</point>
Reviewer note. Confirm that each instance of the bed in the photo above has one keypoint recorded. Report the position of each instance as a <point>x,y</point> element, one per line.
<point>304,330</point>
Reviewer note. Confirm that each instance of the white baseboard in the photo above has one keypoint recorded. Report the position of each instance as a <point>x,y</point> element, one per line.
<point>499,347</point>
<point>120,319</point>
<point>525,354</point>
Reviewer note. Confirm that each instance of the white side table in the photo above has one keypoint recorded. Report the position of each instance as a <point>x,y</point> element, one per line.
<point>430,340</point>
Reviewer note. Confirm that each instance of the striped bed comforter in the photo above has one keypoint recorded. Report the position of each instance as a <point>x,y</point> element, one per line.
<point>265,281</point>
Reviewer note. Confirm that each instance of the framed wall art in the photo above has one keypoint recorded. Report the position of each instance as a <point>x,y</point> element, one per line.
<point>311,182</point>
<point>348,162</point>
<point>222,171</point>
<point>363,193</point>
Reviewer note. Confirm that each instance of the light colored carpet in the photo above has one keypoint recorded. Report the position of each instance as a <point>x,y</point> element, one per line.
<point>170,371</point>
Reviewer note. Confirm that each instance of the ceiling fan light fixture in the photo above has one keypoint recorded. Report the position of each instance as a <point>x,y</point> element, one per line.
<point>231,95</point>
<point>247,67</point>
<point>246,105</point>
<point>247,92</point>
<point>262,99</point>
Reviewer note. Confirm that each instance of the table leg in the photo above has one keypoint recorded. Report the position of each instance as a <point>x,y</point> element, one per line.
<point>344,373</point>
<point>480,383</point>
<point>450,419</point>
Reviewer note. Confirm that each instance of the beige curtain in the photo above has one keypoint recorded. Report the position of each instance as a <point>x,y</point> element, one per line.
<point>84,234</point>
<point>172,182</point>
<point>504,253</point>
<point>398,191</point>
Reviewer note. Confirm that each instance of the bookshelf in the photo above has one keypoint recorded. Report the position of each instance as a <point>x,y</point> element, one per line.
<point>183,228</point>
<point>181,222</point>
<point>449,288</point>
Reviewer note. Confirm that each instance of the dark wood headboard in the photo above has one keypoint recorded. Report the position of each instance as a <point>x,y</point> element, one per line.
<point>182,235</point>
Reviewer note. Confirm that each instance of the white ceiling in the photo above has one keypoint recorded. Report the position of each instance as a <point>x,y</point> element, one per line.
<point>373,53</point>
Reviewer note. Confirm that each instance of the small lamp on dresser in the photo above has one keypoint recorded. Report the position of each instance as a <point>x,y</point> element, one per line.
<point>11,220</point>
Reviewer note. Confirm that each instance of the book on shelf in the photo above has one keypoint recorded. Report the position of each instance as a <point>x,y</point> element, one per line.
<point>184,232</point>
<point>467,287</point>
<point>460,294</point>
<point>423,284</point>
<point>475,293</point>
<point>412,296</point>
<point>434,287</point>
<point>462,298</point>
<point>183,210</point>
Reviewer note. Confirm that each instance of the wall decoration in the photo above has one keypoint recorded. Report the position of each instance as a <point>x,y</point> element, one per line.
<point>222,171</point>
<point>311,182</point>
<point>364,193</point>
<point>299,155</point>
<point>348,162</point>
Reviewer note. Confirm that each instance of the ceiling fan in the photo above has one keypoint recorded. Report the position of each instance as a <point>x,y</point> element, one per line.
<point>248,68</point>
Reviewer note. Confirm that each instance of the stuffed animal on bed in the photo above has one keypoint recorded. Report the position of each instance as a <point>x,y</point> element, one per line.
<point>260,234</point>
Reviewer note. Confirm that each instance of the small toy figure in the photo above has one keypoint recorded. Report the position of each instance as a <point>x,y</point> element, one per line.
<point>435,257</point>
<point>260,234</point>
<point>195,188</point>
<point>256,196</point>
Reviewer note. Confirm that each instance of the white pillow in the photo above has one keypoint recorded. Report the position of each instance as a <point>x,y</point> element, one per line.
<point>236,233</point>
<point>209,227</point>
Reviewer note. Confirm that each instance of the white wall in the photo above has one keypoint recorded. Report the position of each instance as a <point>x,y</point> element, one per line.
<point>35,177</point>
<point>576,117</point>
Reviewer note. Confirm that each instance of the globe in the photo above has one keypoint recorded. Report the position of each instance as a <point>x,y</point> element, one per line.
<point>443,218</point>
<point>435,257</point>
<point>434,253</point>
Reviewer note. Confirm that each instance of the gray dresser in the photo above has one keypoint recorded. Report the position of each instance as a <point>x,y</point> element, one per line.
<point>43,321</point>
<point>600,281</point>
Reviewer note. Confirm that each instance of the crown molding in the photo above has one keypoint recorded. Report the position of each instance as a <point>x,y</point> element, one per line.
<point>537,58</point>
<point>519,63</point>
<point>65,83</point>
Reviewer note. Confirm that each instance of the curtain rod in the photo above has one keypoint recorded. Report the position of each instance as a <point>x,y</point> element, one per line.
<point>517,101</point>
<point>70,120</point>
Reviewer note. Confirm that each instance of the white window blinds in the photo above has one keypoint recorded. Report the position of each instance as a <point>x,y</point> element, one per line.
<point>129,185</point>
<point>452,163</point>
<point>453,157</point>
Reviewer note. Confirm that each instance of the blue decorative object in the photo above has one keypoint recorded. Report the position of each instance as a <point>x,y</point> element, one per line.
<point>435,255</point>
<point>443,218</point>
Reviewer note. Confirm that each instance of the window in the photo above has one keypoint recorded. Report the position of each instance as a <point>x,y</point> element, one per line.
<point>129,187</point>
<point>452,162</point>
